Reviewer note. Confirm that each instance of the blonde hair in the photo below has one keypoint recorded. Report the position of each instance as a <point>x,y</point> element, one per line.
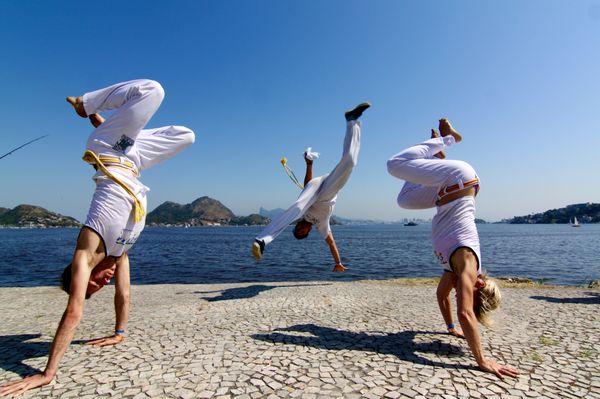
<point>489,300</point>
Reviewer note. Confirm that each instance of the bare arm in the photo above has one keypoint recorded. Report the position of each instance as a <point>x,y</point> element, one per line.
<point>468,321</point>
<point>64,334</point>
<point>447,282</point>
<point>122,295</point>
<point>465,267</point>
<point>335,253</point>
<point>122,292</point>
<point>309,171</point>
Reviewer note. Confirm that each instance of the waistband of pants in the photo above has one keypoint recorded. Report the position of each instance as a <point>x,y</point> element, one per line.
<point>457,187</point>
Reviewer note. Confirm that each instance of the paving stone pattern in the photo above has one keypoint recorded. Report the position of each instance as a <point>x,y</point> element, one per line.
<point>304,340</point>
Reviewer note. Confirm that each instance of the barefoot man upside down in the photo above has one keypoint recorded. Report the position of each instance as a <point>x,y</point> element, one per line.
<point>315,204</point>
<point>119,148</point>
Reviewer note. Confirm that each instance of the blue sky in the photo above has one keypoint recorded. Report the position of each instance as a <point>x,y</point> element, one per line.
<point>257,80</point>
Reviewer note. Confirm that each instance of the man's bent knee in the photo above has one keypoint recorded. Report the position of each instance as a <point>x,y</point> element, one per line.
<point>186,135</point>
<point>154,88</point>
<point>393,164</point>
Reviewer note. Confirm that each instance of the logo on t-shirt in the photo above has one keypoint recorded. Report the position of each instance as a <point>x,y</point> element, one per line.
<point>124,143</point>
<point>127,237</point>
<point>440,257</point>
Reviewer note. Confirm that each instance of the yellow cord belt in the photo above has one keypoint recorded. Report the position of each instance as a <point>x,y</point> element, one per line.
<point>93,159</point>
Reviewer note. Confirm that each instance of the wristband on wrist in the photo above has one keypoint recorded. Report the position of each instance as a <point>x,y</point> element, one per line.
<point>450,326</point>
<point>119,332</point>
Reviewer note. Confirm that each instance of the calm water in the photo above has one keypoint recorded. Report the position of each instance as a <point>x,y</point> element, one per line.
<point>559,253</point>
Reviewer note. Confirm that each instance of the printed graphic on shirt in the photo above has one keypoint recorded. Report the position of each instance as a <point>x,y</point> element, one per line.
<point>440,257</point>
<point>127,237</point>
<point>124,143</point>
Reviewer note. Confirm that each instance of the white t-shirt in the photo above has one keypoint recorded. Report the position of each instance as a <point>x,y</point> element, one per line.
<point>320,211</point>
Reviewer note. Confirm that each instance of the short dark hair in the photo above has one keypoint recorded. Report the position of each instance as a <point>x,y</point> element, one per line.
<point>65,280</point>
<point>300,235</point>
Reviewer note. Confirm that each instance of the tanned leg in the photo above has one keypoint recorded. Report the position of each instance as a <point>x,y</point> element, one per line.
<point>446,129</point>
<point>441,154</point>
<point>96,119</point>
<point>77,103</point>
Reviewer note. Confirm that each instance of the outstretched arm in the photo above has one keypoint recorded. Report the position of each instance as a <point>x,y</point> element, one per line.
<point>122,292</point>
<point>447,282</point>
<point>335,253</point>
<point>66,329</point>
<point>309,171</point>
<point>466,271</point>
<point>466,315</point>
<point>122,295</point>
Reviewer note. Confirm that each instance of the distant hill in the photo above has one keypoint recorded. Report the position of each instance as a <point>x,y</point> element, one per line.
<point>348,221</point>
<point>585,213</point>
<point>251,220</point>
<point>204,211</point>
<point>270,213</point>
<point>34,216</point>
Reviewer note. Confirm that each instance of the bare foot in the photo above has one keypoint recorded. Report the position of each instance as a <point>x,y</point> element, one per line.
<point>96,119</point>
<point>446,129</point>
<point>77,103</point>
<point>339,268</point>
<point>441,154</point>
<point>456,332</point>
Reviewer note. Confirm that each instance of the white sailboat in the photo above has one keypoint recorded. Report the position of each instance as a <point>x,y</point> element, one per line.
<point>575,222</point>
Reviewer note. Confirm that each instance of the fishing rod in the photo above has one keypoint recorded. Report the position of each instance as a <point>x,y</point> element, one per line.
<point>23,145</point>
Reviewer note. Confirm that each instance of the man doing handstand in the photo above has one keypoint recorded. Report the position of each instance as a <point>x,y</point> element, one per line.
<point>119,148</point>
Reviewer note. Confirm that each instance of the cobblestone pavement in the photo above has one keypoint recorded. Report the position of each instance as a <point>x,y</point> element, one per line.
<point>309,340</point>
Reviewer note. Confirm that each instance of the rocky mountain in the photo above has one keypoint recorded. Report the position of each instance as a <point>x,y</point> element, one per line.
<point>585,213</point>
<point>204,211</point>
<point>34,216</point>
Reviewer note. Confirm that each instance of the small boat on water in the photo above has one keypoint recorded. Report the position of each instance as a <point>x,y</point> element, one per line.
<point>410,224</point>
<point>575,222</point>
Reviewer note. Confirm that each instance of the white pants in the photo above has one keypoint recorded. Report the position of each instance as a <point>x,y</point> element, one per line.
<point>454,224</point>
<point>122,135</point>
<point>320,193</point>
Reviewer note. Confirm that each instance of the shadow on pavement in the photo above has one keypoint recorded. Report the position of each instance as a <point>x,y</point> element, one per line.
<point>14,349</point>
<point>246,292</point>
<point>400,344</point>
<point>592,299</point>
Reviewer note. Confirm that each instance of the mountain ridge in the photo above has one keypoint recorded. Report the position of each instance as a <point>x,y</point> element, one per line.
<point>25,215</point>
<point>203,211</point>
<point>586,213</point>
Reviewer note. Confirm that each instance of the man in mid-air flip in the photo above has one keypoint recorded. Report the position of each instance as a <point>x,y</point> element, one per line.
<point>119,148</point>
<point>315,204</point>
